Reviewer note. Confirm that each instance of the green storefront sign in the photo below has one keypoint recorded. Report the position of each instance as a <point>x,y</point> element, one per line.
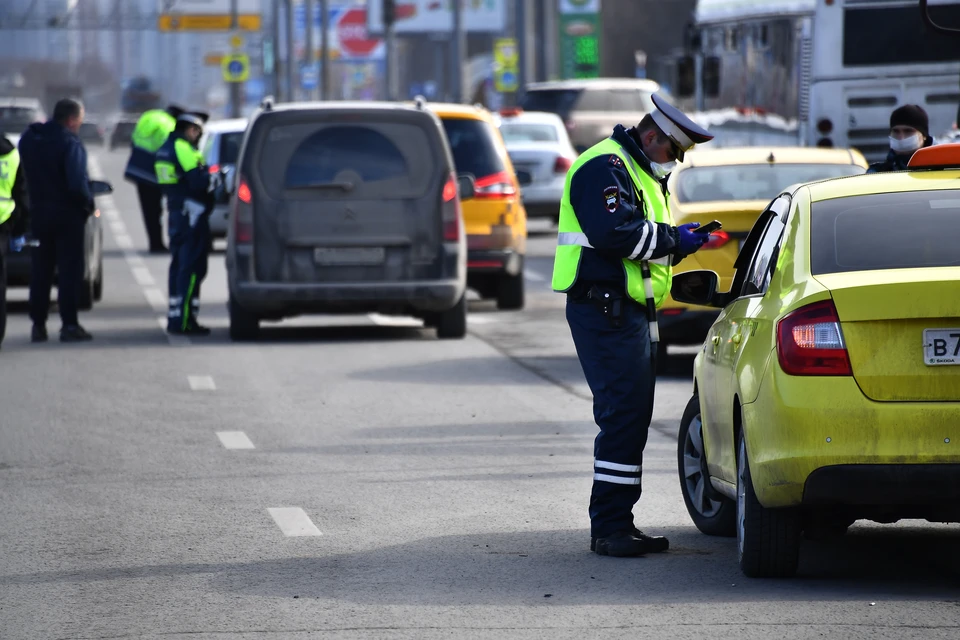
<point>579,45</point>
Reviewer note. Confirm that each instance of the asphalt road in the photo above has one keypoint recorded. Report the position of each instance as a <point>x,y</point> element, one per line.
<point>357,478</point>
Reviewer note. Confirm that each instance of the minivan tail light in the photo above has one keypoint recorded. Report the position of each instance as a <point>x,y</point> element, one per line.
<point>810,342</point>
<point>497,185</point>
<point>243,213</point>
<point>451,210</point>
<point>562,164</point>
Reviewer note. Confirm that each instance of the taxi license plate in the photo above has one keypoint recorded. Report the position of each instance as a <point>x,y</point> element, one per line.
<point>941,346</point>
<point>348,256</point>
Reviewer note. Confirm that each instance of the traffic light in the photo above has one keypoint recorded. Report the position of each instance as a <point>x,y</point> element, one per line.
<point>389,12</point>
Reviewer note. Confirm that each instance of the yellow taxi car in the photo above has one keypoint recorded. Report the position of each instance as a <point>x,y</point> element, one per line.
<point>494,219</point>
<point>828,389</point>
<point>733,186</point>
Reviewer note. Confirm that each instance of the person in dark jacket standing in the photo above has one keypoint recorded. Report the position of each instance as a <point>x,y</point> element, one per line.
<point>13,211</point>
<point>909,131</point>
<point>55,165</point>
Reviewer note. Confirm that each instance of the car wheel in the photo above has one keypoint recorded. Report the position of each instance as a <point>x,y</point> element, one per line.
<point>244,326</point>
<point>453,322</point>
<point>98,283</point>
<point>713,515</point>
<point>85,301</point>
<point>510,292</point>
<point>768,540</point>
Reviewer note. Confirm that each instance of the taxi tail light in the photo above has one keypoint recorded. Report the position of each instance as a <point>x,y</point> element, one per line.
<point>810,342</point>
<point>562,164</point>
<point>243,213</point>
<point>214,168</point>
<point>717,240</point>
<point>451,210</point>
<point>498,185</point>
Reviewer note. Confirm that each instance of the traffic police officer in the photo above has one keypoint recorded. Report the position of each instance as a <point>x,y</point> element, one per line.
<point>615,248</point>
<point>152,130</point>
<point>186,183</point>
<point>13,191</point>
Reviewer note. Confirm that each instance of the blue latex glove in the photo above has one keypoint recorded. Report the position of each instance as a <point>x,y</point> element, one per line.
<point>691,241</point>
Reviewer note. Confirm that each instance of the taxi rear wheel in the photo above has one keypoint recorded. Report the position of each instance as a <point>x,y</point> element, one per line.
<point>768,540</point>
<point>713,514</point>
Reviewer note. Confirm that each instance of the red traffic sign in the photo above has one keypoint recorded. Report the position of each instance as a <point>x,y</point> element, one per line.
<point>352,33</point>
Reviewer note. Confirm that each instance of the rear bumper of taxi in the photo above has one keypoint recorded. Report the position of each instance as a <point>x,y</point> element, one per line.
<point>818,440</point>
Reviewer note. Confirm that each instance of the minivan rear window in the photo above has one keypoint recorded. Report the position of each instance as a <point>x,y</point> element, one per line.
<point>885,231</point>
<point>474,148</point>
<point>230,147</point>
<point>387,158</point>
<point>558,101</point>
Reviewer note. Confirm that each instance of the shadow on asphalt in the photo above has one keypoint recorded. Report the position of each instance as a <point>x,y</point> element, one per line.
<point>523,568</point>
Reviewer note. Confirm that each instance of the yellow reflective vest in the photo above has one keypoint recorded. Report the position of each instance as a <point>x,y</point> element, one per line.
<point>571,240</point>
<point>8,176</point>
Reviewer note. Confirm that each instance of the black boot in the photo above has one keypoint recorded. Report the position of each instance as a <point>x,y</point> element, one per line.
<point>194,328</point>
<point>74,333</point>
<point>627,544</point>
<point>38,333</point>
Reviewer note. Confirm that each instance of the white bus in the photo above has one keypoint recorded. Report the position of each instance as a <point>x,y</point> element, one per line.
<point>835,67</point>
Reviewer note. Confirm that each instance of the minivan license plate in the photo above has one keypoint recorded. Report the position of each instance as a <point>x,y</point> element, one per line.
<point>941,346</point>
<point>348,256</point>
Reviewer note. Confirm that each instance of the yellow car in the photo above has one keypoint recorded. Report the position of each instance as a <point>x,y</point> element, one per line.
<point>828,389</point>
<point>495,220</point>
<point>733,186</point>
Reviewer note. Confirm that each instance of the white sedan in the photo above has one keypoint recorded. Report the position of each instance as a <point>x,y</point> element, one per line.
<point>541,153</point>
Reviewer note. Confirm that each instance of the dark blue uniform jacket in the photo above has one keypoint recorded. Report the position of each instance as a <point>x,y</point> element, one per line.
<point>616,233</point>
<point>54,162</point>
<point>193,181</point>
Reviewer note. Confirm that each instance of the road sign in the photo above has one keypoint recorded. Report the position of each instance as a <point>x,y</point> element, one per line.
<point>190,22</point>
<point>505,58</point>
<point>309,76</point>
<point>353,36</point>
<point>235,67</point>
<point>236,41</point>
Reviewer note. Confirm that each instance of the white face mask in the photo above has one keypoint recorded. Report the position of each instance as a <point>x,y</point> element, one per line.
<point>662,170</point>
<point>906,145</point>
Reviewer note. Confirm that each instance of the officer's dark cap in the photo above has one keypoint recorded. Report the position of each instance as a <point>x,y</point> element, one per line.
<point>682,131</point>
<point>174,110</point>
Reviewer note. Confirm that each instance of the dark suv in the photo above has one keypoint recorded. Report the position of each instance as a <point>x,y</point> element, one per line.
<point>346,208</point>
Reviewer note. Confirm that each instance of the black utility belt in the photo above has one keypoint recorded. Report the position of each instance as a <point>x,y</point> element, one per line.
<point>613,302</point>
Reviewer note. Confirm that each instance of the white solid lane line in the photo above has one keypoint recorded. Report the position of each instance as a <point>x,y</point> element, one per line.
<point>156,299</point>
<point>533,276</point>
<point>201,383</point>
<point>143,277</point>
<point>394,321</point>
<point>234,440</point>
<point>293,521</point>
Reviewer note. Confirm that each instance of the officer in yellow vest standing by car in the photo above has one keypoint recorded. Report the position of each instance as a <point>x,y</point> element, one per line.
<point>152,130</point>
<point>13,197</point>
<point>615,249</point>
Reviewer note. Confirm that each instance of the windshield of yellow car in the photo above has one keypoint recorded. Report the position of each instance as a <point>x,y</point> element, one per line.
<point>751,181</point>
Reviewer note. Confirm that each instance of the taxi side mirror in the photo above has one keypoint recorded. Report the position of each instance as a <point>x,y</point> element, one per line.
<point>698,287</point>
<point>466,186</point>
<point>100,188</point>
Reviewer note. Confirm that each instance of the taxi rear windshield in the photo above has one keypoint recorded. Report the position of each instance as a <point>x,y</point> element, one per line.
<point>752,181</point>
<point>885,231</point>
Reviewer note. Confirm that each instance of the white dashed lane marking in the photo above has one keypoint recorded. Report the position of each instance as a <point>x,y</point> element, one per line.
<point>201,383</point>
<point>533,276</point>
<point>156,299</point>
<point>293,522</point>
<point>143,277</point>
<point>234,440</point>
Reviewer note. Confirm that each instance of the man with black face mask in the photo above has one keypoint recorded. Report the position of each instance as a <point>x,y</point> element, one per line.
<point>615,249</point>
<point>909,131</point>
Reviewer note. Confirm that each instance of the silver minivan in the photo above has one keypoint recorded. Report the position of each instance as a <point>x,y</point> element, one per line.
<point>342,207</point>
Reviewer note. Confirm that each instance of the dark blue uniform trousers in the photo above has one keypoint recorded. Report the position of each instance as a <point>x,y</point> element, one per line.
<point>189,250</point>
<point>61,249</point>
<point>616,363</point>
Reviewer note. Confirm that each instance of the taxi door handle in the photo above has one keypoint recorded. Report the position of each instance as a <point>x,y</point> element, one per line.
<point>715,340</point>
<point>736,339</point>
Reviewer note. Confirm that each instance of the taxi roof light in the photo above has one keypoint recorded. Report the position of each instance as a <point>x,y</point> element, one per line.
<point>940,156</point>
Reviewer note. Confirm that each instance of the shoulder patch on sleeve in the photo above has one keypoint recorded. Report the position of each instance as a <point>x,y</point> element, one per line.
<point>615,160</point>
<point>611,198</point>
